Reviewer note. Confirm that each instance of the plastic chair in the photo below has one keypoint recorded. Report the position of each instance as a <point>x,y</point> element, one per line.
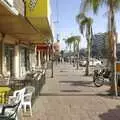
<point>11,114</point>
<point>27,100</point>
<point>13,99</point>
<point>9,111</point>
<point>29,89</point>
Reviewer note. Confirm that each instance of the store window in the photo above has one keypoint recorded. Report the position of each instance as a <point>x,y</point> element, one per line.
<point>9,60</point>
<point>24,60</point>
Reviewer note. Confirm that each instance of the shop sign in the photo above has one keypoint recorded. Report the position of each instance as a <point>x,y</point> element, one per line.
<point>32,4</point>
<point>118,66</point>
<point>36,8</point>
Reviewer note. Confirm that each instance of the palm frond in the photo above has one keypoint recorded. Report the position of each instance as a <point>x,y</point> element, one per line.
<point>91,4</point>
<point>115,4</point>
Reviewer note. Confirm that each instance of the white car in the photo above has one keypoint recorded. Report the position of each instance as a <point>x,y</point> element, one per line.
<point>95,62</point>
<point>82,62</point>
<point>92,62</point>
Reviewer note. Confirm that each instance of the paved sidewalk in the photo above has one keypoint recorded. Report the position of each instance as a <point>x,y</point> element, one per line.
<point>72,96</point>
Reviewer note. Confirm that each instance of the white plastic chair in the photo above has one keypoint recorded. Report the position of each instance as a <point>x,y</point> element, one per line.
<point>13,99</point>
<point>10,111</point>
<point>27,100</point>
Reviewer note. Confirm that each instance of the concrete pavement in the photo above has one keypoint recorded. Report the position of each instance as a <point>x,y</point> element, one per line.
<point>72,96</point>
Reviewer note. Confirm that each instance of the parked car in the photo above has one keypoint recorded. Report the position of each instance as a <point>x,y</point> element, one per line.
<point>82,62</point>
<point>92,62</point>
<point>95,62</point>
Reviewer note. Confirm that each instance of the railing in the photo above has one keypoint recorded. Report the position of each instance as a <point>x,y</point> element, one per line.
<point>4,97</point>
<point>35,79</point>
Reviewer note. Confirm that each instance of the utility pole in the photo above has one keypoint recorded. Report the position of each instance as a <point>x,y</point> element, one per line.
<point>57,36</point>
<point>57,52</point>
<point>55,22</point>
<point>52,68</point>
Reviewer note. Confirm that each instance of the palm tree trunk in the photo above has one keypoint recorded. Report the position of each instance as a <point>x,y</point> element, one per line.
<point>88,51</point>
<point>70,59</point>
<point>70,55</point>
<point>78,56</point>
<point>87,60</point>
<point>112,45</point>
<point>74,54</point>
<point>52,62</point>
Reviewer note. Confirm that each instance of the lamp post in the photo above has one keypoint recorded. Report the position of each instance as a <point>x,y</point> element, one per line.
<point>52,68</point>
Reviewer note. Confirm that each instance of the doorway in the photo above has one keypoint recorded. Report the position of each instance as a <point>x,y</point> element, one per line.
<point>9,60</point>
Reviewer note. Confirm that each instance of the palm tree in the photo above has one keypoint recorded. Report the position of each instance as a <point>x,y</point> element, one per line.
<point>75,41</point>
<point>78,50</point>
<point>86,24</point>
<point>69,44</point>
<point>113,6</point>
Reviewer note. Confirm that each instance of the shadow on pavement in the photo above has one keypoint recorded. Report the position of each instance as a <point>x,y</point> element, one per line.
<point>63,71</point>
<point>108,95</point>
<point>79,83</point>
<point>69,90</point>
<point>67,94</point>
<point>88,75</point>
<point>112,114</point>
<point>67,75</point>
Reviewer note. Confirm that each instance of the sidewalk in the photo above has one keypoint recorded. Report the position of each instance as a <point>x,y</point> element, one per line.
<point>72,96</point>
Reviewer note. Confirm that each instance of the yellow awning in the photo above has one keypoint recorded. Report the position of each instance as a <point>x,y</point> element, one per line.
<point>39,15</point>
<point>19,26</point>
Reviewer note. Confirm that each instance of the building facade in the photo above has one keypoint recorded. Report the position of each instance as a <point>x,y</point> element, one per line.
<point>20,32</point>
<point>99,45</point>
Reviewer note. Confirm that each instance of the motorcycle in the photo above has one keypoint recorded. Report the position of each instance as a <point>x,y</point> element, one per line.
<point>100,75</point>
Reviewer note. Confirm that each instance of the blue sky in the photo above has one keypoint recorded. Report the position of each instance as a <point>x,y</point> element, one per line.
<point>67,10</point>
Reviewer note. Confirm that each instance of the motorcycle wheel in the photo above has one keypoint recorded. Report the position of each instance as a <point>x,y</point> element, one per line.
<point>99,81</point>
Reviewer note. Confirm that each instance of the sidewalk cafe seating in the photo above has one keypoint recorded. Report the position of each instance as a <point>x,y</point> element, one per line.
<point>9,111</point>
<point>13,98</point>
<point>4,88</point>
<point>11,114</point>
<point>27,99</point>
<point>4,93</point>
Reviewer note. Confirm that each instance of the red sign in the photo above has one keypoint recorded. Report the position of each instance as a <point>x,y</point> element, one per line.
<point>42,46</point>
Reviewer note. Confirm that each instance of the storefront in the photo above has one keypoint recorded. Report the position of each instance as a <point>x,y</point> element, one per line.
<point>42,53</point>
<point>35,28</point>
<point>24,60</point>
<point>9,59</point>
<point>32,56</point>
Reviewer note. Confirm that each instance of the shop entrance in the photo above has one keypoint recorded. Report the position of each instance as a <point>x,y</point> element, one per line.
<point>9,59</point>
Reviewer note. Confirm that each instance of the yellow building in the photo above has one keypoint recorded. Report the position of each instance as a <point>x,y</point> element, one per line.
<point>38,13</point>
<point>19,31</point>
